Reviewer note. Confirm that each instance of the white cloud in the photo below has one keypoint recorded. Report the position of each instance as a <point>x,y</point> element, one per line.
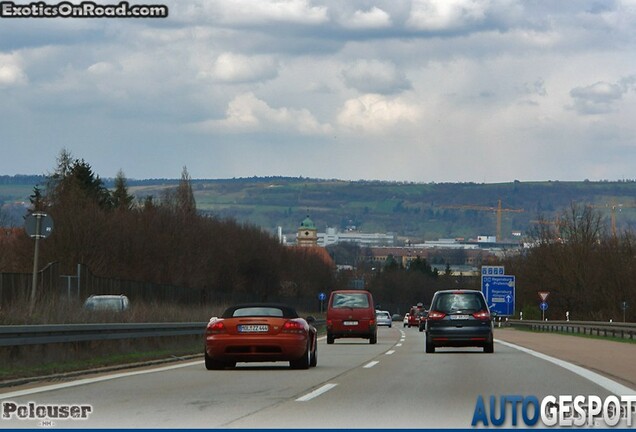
<point>237,68</point>
<point>246,113</point>
<point>600,97</point>
<point>375,18</point>
<point>436,15</point>
<point>376,113</point>
<point>267,11</point>
<point>374,76</point>
<point>11,72</point>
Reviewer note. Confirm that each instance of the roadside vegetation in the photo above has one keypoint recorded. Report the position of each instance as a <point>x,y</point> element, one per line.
<point>160,240</point>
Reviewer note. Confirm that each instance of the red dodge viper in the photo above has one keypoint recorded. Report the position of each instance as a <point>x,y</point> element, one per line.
<point>260,332</point>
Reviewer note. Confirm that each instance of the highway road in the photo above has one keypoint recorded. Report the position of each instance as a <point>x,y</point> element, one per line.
<point>392,384</point>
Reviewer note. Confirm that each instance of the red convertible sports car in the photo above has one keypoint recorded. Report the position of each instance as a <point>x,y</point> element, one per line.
<point>260,332</point>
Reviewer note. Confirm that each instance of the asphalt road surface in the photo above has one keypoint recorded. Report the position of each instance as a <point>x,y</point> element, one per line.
<point>392,384</point>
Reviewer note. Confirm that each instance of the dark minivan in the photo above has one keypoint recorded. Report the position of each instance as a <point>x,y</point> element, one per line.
<point>459,318</point>
<point>351,314</point>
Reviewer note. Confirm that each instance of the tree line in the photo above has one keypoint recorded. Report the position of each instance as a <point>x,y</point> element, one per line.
<point>163,240</point>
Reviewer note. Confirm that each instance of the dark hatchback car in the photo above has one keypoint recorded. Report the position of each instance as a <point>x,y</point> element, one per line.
<point>459,318</point>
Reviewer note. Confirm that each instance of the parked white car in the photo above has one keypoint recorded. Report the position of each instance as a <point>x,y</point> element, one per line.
<point>107,303</point>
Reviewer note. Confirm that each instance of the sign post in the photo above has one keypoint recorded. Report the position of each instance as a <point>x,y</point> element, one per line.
<point>543,295</point>
<point>321,298</point>
<point>624,307</point>
<point>37,225</point>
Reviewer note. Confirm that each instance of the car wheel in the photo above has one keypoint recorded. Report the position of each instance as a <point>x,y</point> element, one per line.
<point>373,339</point>
<point>303,362</point>
<point>489,347</point>
<point>430,348</point>
<point>313,361</point>
<point>330,338</point>
<point>211,364</point>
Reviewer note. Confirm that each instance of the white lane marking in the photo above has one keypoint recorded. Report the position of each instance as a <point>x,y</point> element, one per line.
<point>389,352</point>
<point>316,393</point>
<point>85,381</point>
<point>606,383</point>
<point>398,345</point>
<point>370,364</point>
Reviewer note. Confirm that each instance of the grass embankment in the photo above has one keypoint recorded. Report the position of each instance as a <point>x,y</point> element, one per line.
<point>40,360</point>
<point>589,336</point>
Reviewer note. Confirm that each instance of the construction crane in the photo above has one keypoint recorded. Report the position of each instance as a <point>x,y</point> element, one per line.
<point>613,207</point>
<point>497,209</point>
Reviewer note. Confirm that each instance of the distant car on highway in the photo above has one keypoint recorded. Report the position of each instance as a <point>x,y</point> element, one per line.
<point>107,303</point>
<point>383,318</point>
<point>396,317</point>
<point>422,318</point>
<point>415,314</point>
<point>260,332</point>
<point>351,314</point>
<point>459,318</point>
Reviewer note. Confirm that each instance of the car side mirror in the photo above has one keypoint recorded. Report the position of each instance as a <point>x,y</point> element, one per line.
<point>310,319</point>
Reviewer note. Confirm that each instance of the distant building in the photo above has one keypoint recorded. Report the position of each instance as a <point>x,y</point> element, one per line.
<point>332,236</point>
<point>307,233</point>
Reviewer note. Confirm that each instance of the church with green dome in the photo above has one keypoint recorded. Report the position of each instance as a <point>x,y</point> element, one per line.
<point>307,233</point>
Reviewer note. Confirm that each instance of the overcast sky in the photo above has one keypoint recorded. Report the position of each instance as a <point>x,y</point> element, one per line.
<point>423,90</point>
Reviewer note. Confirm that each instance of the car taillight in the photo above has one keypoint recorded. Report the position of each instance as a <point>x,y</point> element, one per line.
<point>216,328</point>
<point>293,327</point>
<point>435,315</point>
<point>482,315</point>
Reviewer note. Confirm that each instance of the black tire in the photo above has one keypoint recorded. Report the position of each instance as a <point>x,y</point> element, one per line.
<point>303,362</point>
<point>489,348</point>
<point>212,364</point>
<point>430,348</point>
<point>313,361</point>
<point>373,339</point>
<point>330,339</point>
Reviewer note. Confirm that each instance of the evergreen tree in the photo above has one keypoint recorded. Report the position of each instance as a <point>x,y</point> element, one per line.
<point>121,198</point>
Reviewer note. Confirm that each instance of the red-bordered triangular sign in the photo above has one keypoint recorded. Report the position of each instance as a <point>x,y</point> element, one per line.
<point>544,295</point>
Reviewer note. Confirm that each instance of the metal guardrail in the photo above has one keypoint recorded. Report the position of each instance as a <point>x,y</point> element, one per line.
<point>67,333</point>
<point>594,328</point>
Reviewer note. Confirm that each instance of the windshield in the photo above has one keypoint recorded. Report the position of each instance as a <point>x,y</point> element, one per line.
<point>350,300</point>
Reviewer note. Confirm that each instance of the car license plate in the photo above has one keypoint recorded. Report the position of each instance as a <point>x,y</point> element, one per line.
<point>350,323</point>
<point>252,328</point>
<point>459,317</point>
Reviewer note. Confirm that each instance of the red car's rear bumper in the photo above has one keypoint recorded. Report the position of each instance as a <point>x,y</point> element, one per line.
<point>256,348</point>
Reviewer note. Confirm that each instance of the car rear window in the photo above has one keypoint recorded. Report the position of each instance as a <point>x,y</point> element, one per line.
<point>260,310</point>
<point>350,300</point>
<point>459,302</point>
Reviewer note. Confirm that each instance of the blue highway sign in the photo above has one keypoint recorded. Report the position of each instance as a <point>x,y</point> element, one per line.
<point>500,293</point>
<point>543,306</point>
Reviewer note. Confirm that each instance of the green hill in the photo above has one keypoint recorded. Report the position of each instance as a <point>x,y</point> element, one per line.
<point>411,210</point>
